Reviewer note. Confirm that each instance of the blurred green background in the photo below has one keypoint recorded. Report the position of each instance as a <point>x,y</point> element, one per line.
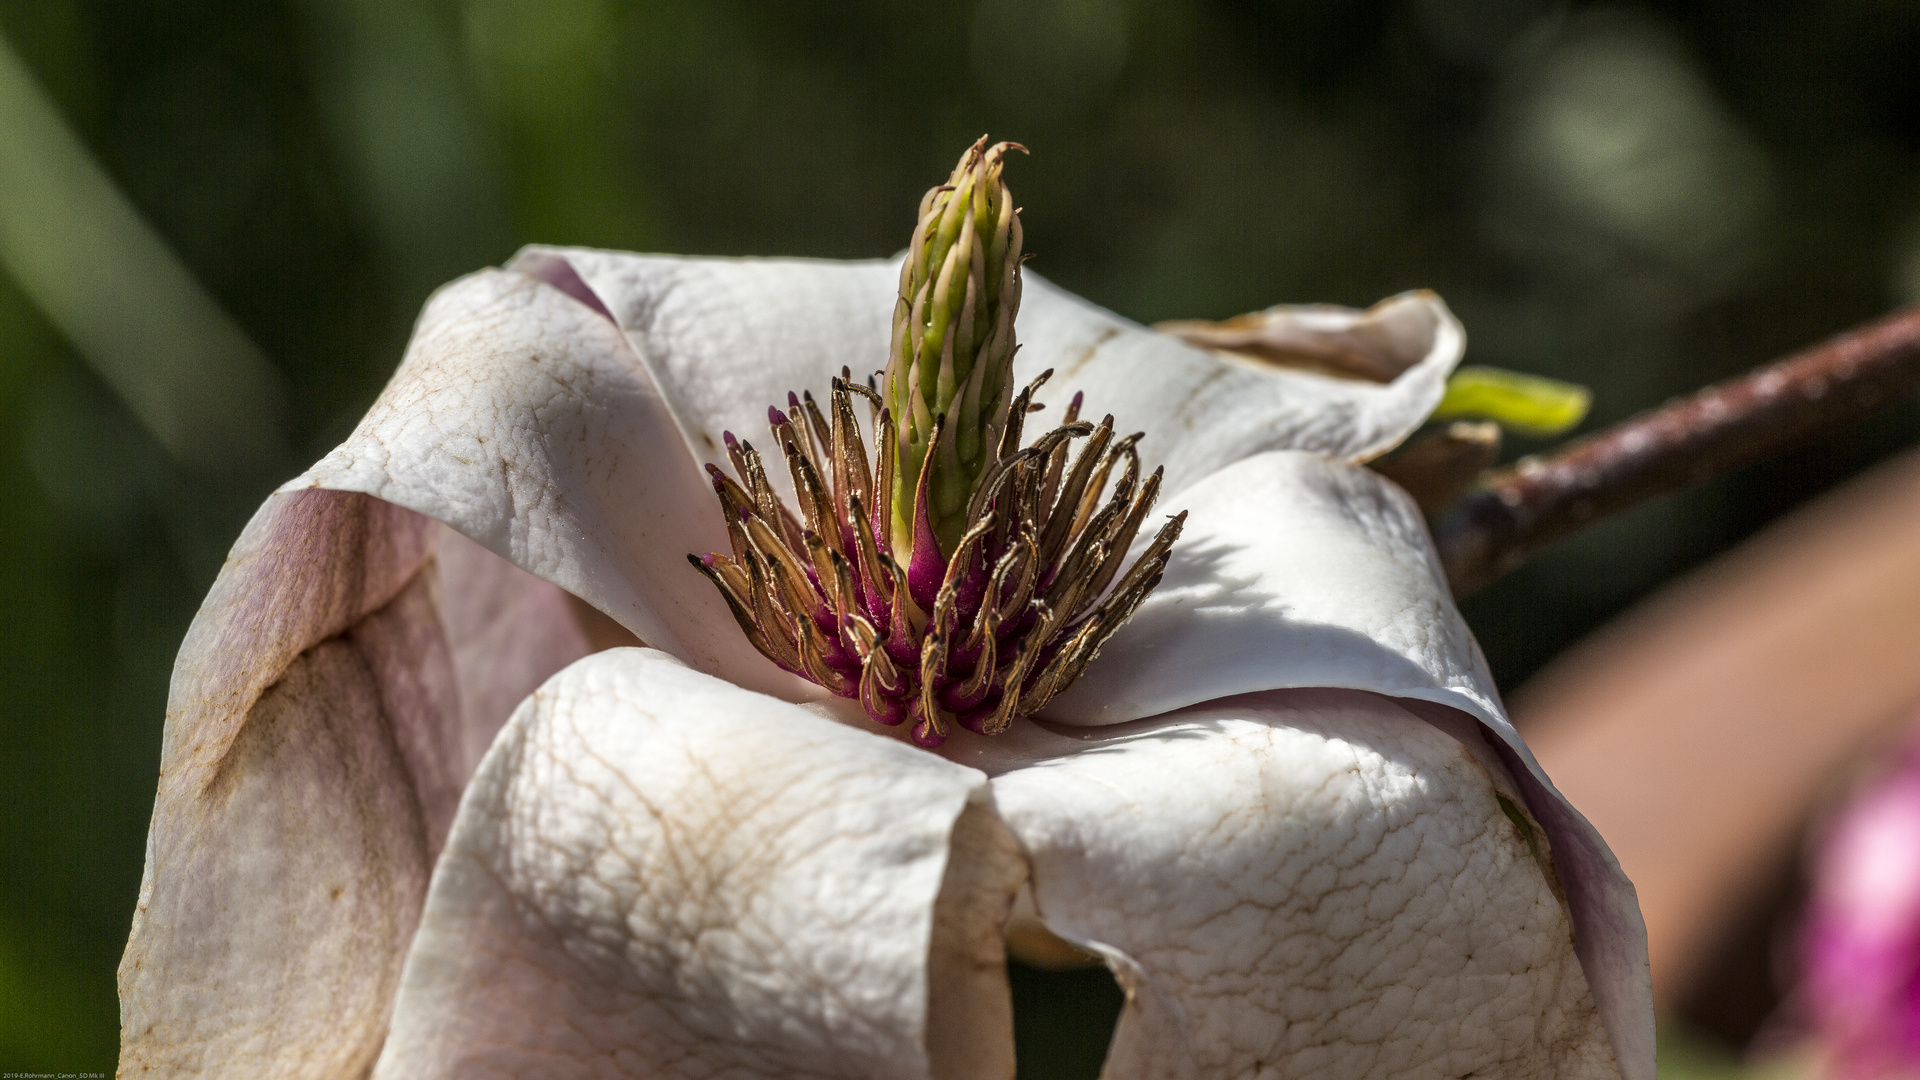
<point>1641,197</point>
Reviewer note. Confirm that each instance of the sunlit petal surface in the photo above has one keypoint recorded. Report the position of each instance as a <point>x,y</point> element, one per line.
<point>656,872</point>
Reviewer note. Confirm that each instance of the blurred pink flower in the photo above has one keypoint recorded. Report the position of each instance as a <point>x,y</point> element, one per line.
<point>1862,944</point>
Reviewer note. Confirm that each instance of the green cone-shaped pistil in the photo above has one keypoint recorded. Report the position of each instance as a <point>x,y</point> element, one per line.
<point>953,343</point>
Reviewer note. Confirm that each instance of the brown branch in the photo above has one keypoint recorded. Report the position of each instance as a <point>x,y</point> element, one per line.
<point>1521,509</point>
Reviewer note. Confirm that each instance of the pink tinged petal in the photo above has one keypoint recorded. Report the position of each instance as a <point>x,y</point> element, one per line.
<point>510,631</point>
<point>724,338</point>
<point>327,708</point>
<point>1295,571</point>
<point>560,274</point>
<point>1306,884</point>
<point>523,419</point>
<point>655,872</point>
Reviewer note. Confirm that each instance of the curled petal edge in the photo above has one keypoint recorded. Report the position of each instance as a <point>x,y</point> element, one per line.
<point>664,867</point>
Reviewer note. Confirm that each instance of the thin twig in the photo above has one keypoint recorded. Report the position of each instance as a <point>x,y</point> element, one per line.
<point>1521,509</point>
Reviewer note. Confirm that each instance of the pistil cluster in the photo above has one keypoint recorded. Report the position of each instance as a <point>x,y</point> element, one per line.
<point>936,570</point>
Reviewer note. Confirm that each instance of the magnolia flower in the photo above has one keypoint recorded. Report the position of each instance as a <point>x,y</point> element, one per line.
<point>946,574</point>
<point>1862,938</point>
<point>414,819</point>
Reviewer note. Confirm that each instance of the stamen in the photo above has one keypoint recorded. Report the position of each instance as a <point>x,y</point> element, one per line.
<point>876,407</point>
<point>820,443</point>
<point>850,470</point>
<point>1017,416</point>
<point>983,645</point>
<point>883,480</point>
<point>813,657</point>
<point>1025,556</point>
<point>1127,530</point>
<point>821,556</point>
<point>876,580</point>
<point>733,498</point>
<point>781,644</point>
<point>734,599</point>
<point>930,729</point>
<point>1065,515</point>
<point>784,569</point>
<point>1057,461</point>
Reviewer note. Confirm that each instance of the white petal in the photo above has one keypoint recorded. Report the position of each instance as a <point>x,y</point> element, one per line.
<point>1306,884</point>
<point>655,872</point>
<point>1292,571</point>
<point>725,338</point>
<point>325,713</point>
<point>522,418</point>
<point>1295,571</point>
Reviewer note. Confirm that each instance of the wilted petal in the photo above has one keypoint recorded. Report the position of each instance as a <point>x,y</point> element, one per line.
<point>1307,883</point>
<point>725,338</point>
<point>1296,571</point>
<point>656,872</point>
<point>1202,410</point>
<point>326,710</point>
<point>522,418</point>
